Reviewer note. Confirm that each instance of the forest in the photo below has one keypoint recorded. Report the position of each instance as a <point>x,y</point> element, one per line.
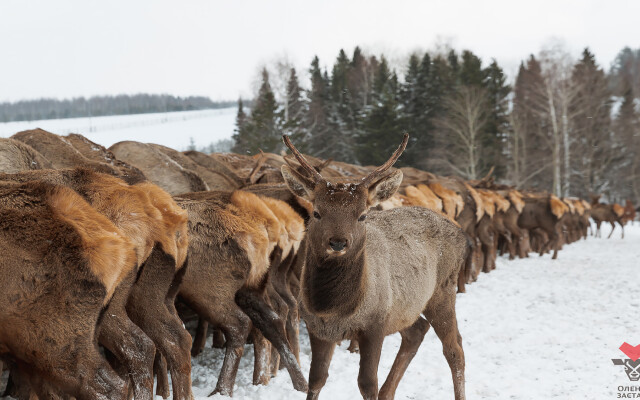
<point>97,106</point>
<point>564,125</point>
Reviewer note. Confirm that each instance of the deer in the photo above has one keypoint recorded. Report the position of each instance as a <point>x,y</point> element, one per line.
<point>368,274</point>
<point>16,156</point>
<point>61,264</point>
<point>136,317</point>
<point>232,235</point>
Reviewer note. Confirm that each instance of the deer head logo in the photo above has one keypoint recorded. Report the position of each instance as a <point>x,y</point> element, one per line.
<point>631,364</point>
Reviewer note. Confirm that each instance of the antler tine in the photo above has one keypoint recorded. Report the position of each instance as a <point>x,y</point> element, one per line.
<point>381,169</point>
<point>313,174</point>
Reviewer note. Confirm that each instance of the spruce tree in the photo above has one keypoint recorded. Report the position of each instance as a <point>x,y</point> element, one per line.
<point>298,109</point>
<point>262,130</point>
<point>494,135</point>
<point>383,127</point>
<point>317,121</point>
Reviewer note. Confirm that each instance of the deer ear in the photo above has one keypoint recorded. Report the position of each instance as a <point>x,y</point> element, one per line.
<point>384,188</point>
<point>298,184</point>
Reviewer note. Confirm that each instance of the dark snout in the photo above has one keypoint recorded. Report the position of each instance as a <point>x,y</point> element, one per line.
<point>337,244</point>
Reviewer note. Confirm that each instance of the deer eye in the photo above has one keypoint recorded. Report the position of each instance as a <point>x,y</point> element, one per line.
<point>316,215</point>
<point>362,217</point>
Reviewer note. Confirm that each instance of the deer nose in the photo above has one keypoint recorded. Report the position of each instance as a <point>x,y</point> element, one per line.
<point>337,244</point>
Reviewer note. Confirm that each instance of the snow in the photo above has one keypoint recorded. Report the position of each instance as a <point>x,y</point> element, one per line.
<point>174,129</point>
<point>532,329</point>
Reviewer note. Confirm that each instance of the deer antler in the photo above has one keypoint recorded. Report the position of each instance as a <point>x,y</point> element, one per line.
<point>251,179</point>
<point>313,174</point>
<point>373,176</point>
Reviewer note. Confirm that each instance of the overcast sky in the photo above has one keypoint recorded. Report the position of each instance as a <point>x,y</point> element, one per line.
<point>81,48</point>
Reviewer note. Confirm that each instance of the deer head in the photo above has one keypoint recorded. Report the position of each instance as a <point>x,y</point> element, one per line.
<point>337,224</point>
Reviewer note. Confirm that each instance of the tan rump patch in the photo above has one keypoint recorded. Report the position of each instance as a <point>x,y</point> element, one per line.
<point>502,204</point>
<point>173,236</point>
<point>476,197</point>
<point>569,204</point>
<point>285,242</point>
<point>579,206</point>
<point>618,210</point>
<point>558,207</point>
<point>516,199</point>
<point>109,253</point>
<point>488,203</point>
<point>451,201</point>
<point>394,201</point>
<point>256,213</point>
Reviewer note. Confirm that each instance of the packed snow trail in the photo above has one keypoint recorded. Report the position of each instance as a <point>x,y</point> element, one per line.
<point>532,329</point>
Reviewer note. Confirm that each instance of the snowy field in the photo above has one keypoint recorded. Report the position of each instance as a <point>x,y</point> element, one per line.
<point>532,329</point>
<point>174,129</point>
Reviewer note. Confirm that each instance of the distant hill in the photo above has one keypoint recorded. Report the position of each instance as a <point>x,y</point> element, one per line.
<point>31,110</point>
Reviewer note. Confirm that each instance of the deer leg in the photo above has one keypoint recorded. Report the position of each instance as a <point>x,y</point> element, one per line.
<point>412,337</point>
<point>321,354</point>
<point>236,330</point>
<point>162,376</point>
<point>442,316</point>
<point>201,337</point>
<point>218,341</point>
<point>613,228</point>
<point>353,346</point>
<point>283,287</point>
<point>272,327</point>
<point>370,349</point>
<point>127,342</point>
<point>149,308</point>
<point>262,358</point>
<point>282,309</point>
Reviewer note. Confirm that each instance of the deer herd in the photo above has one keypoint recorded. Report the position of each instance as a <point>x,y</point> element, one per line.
<point>106,254</point>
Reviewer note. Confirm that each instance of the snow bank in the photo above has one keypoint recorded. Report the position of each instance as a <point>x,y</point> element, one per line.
<point>174,129</point>
<point>532,329</point>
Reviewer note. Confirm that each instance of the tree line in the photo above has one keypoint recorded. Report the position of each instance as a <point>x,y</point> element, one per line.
<point>564,125</point>
<point>32,110</point>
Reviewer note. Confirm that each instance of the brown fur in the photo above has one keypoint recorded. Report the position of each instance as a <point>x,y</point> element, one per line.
<point>51,293</point>
<point>158,167</point>
<point>95,152</point>
<point>478,200</point>
<point>145,223</point>
<point>16,156</point>
<point>59,151</point>
<point>222,268</point>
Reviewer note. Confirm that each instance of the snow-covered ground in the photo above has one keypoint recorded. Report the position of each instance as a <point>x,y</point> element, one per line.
<point>174,129</point>
<point>532,329</point>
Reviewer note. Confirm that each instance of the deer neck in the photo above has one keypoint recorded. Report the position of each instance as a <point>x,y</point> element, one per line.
<point>334,286</point>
